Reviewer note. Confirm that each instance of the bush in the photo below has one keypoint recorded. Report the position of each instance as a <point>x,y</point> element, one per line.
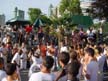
<point>105,27</point>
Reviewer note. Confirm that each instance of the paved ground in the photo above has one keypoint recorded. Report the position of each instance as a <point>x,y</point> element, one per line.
<point>24,76</point>
<point>105,76</point>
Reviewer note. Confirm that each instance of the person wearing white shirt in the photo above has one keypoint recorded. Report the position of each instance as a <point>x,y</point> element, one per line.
<point>23,57</point>
<point>16,60</point>
<point>45,73</point>
<point>92,68</point>
<point>88,32</point>
<point>23,61</point>
<point>23,47</point>
<point>3,53</point>
<point>4,40</point>
<point>11,72</point>
<point>101,60</point>
<point>64,49</point>
<point>2,72</point>
<point>37,61</point>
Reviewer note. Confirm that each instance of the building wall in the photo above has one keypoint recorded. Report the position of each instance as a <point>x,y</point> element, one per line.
<point>86,4</point>
<point>54,11</point>
<point>2,20</point>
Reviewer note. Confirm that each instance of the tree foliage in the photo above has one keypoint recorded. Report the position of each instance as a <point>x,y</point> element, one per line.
<point>45,19</point>
<point>100,8</point>
<point>70,6</point>
<point>34,13</point>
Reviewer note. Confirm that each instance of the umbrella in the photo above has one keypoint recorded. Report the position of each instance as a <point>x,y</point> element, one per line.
<point>38,22</point>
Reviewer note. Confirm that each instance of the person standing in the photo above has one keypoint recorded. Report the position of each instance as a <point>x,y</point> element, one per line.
<point>92,68</point>
<point>101,60</point>
<point>23,61</point>
<point>11,73</point>
<point>28,28</point>
<point>5,38</point>
<point>43,50</point>
<point>40,34</point>
<point>16,60</point>
<point>37,61</point>
<point>45,73</point>
<point>3,52</point>
<point>23,57</point>
<point>63,59</point>
<point>2,72</point>
<point>63,47</point>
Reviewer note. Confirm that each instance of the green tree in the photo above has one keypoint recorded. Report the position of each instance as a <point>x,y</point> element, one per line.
<point>100,9</point>
<point>45,19</point>
<point>55,20</point>
<point>70,6</point>
<point>34,13</point>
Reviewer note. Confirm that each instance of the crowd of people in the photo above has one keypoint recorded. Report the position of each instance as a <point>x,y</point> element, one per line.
<point>48,59</point>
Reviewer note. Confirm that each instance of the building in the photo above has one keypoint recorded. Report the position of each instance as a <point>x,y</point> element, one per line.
<point>50,10</point>
<point>18,18</point>
<point>2,19</point>
<point>86,4</point>
<point>19,13</point>
<point>58,12</point>
<point>54,11</point>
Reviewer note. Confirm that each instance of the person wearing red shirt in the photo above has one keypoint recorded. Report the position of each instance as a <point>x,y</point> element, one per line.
<point>43,50</point>
<point>28,28</point>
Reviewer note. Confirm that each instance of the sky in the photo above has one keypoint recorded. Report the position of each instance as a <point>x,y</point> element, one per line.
<point>7,6</point>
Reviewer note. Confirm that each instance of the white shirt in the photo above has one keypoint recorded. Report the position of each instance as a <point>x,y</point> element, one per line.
<point>88,31</point>
<point>4,40</point>
<point>101,61</point>
<point>40,76</point>
<point>16,58</point>
<point>2,74</point>
<point>3,50</point>
<point>92,70</point>
<point>35,66</point>
<point>36,60</point>
<point>24,50</point>
<point>100,29</point>
<point>33,59</point>
<point>5,79</point>
<point>23,57</point>
<point>64,49</point>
